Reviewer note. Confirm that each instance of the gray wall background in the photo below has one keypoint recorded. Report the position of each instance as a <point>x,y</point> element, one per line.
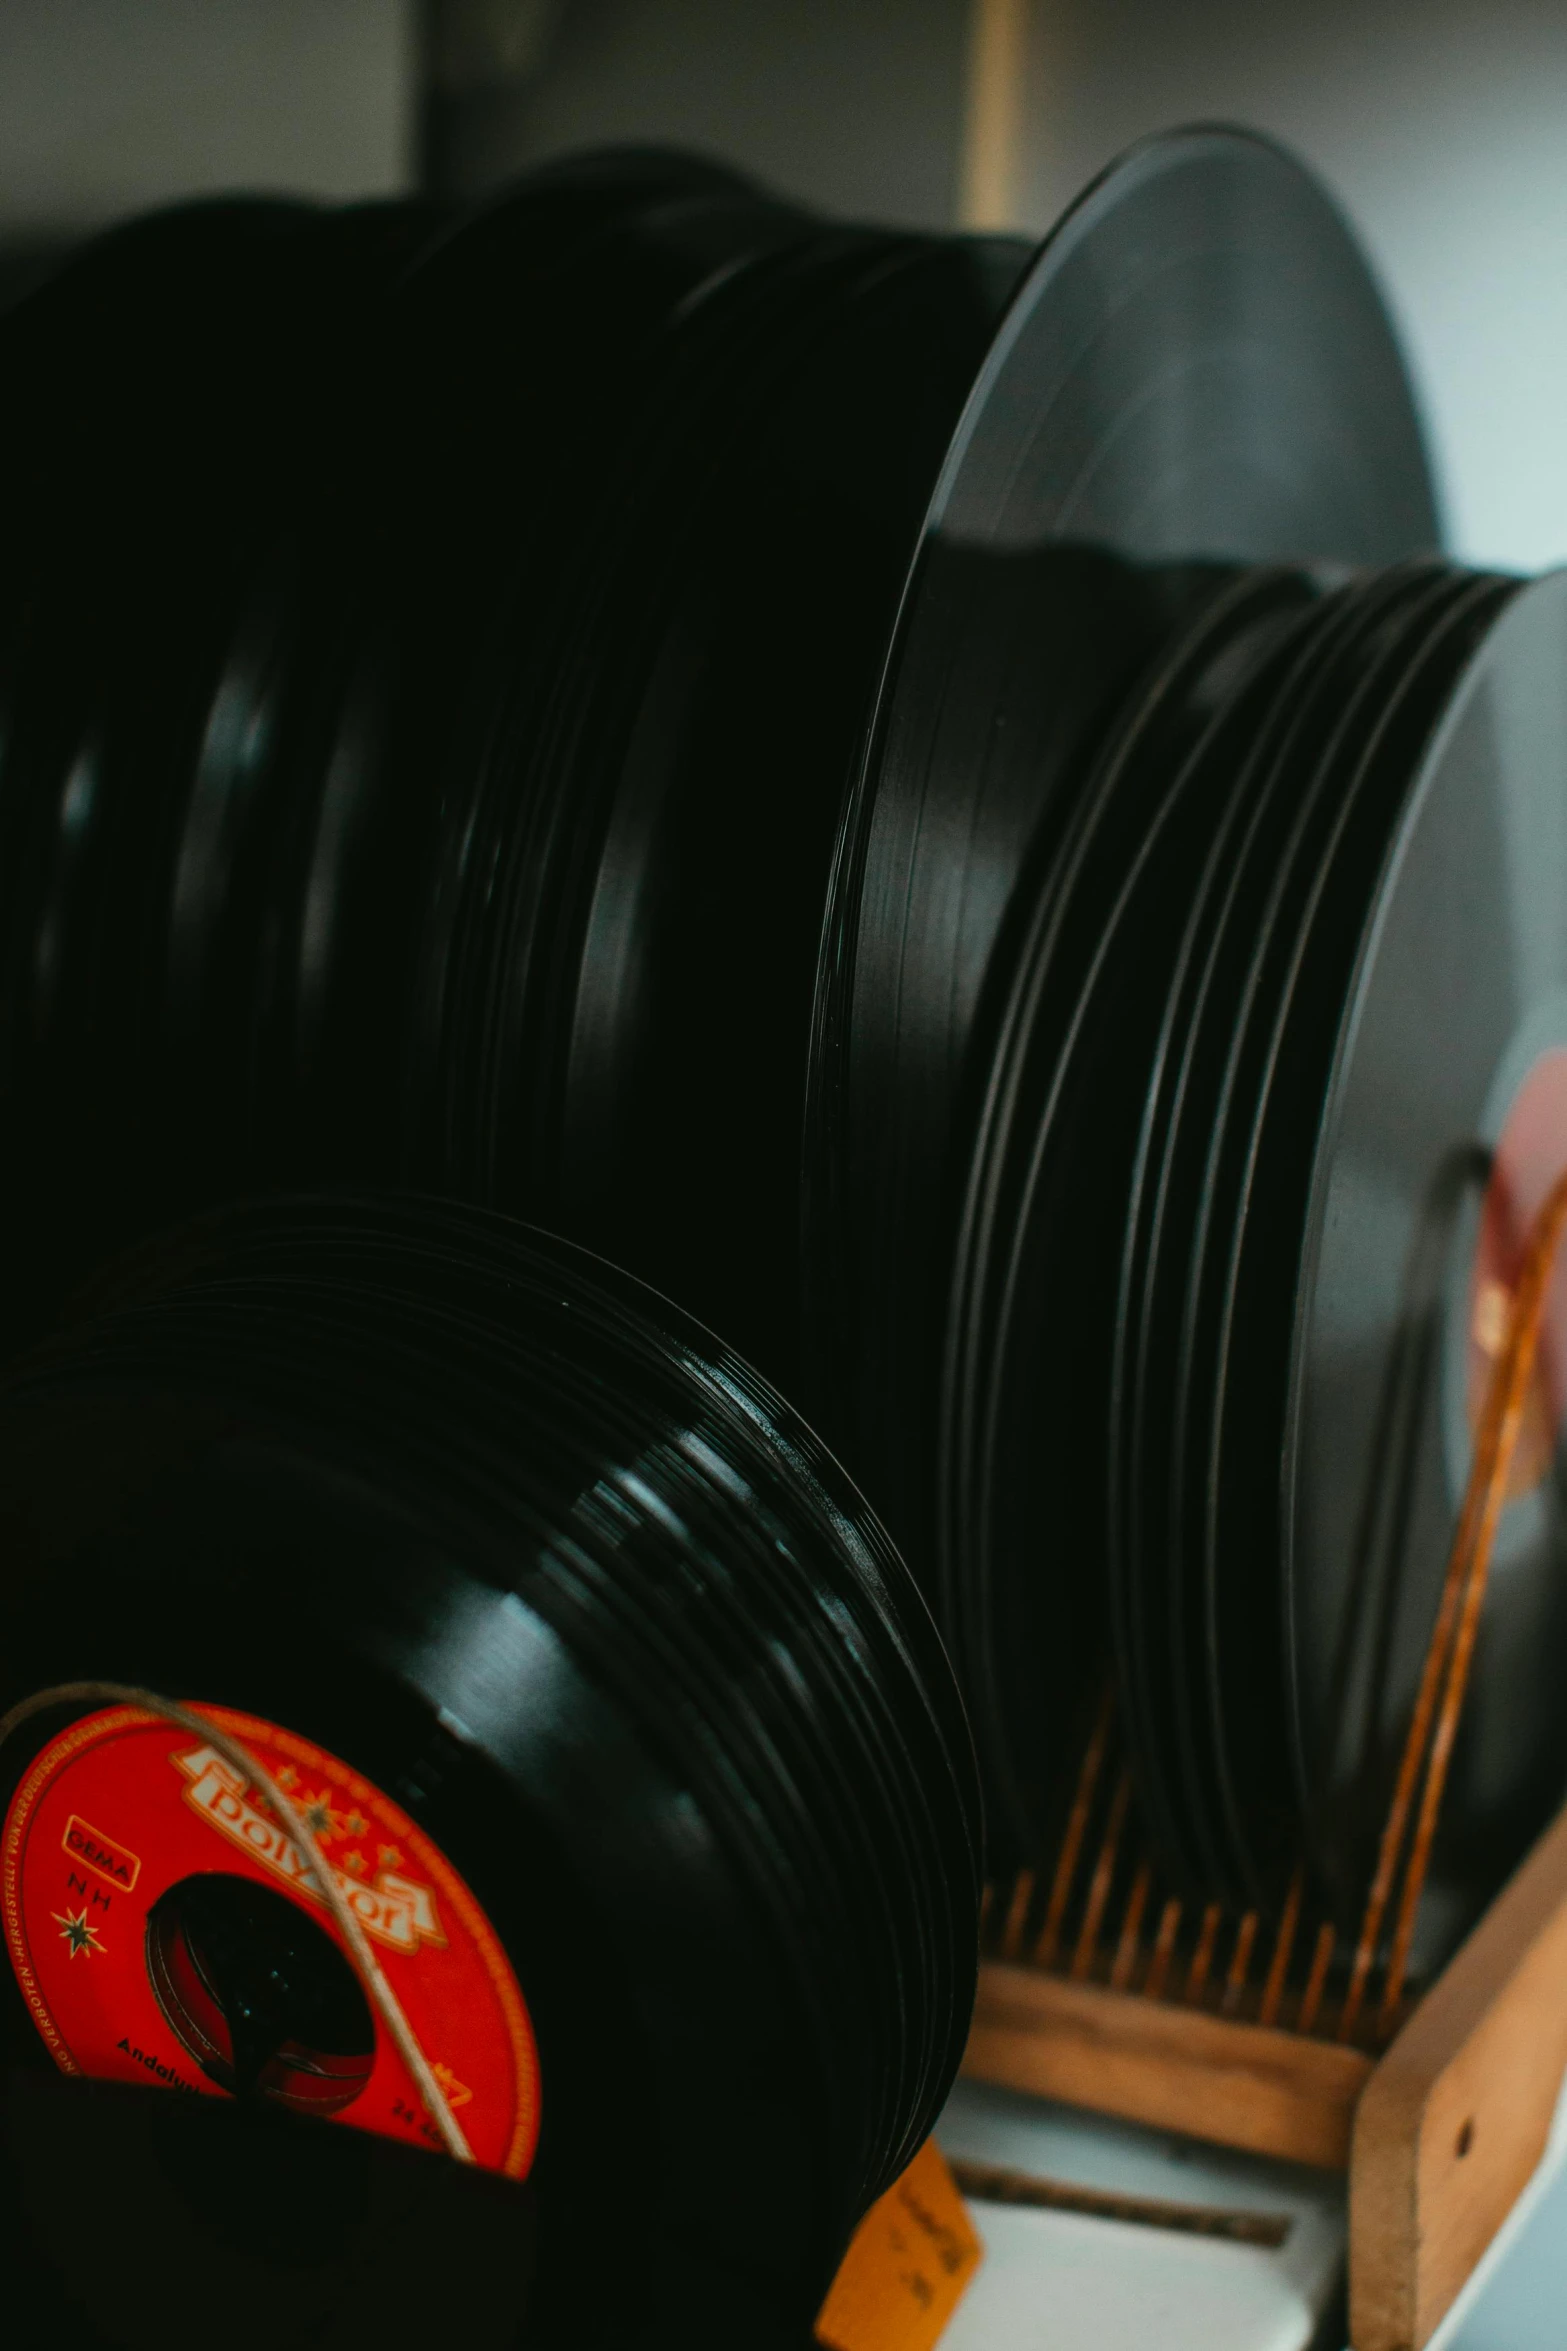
<point>1443,127</point>
<point>1441,123</point>
<point>856,105</point>
<point>110,105</point>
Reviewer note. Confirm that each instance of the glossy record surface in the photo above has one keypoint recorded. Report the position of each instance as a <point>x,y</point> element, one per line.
<point>1197,370</point>
<point>1457,998</point>
<point>493,1486</point>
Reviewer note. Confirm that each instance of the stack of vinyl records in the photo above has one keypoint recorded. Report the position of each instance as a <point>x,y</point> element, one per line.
<point>495,660</point>
<point>1279,1095</point>
<point>1190,1058</point>
<point>942,807</point>
<point>607,1701</point>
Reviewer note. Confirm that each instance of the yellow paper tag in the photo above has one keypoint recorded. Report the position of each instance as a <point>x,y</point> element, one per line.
<point>907,2265</point>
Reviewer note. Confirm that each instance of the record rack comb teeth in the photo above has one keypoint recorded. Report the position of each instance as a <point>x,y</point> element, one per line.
<point>1102,1989</point>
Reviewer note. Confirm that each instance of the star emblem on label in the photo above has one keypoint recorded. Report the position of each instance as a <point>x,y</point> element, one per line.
<point>75,1931</point>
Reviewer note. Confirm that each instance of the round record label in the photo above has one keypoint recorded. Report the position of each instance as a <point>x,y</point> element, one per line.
<point>137,1864</point>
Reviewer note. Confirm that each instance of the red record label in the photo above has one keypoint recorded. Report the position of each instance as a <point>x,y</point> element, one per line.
<point>123,1819</point>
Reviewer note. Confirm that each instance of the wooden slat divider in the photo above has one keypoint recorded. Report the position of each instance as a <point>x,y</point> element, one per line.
<point>1162,2063</point>
<point>1456,2116</point>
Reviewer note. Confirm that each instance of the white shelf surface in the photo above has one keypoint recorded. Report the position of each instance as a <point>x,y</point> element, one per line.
<point>1066,2281</point>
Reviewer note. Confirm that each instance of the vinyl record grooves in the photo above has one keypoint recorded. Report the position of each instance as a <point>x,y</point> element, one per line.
<point>1181,1537</point>
<point>1062,1112</point>
<point>1440,638</point>
<point>1163,1156</point>
<point>481,800</point>
<point>651,835</point>
<point>485,1521</point>
<point>1122,839</point>
<point>1330,680</point>
<point>1451,1167</point>
<point>1194,1068</point>
<point>1117,846</point>
<point>169,381</point>
<point>1205,297</point>
<point>658,834</point>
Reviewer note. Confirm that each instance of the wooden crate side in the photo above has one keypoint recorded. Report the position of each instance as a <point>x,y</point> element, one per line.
<point>1456,2116</point>
<point>1175,2068</point>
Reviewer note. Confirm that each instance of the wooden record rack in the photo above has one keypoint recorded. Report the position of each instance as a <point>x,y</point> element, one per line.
<point>1438,2107</point>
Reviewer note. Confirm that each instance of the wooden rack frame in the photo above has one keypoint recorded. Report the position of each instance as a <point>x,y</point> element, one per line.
<point>1439,2109</point>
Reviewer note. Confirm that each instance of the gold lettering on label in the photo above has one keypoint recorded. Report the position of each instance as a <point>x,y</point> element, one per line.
<point>396,1911</point>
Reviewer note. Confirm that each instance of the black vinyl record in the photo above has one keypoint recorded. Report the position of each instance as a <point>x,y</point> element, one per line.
<point>288,2235</point>
<point>613,1002</point>
<point>1205,299</point>
<point>1440,1129</point>
<point>1260,1155</point>
<point>1306,697</point>
<point>609,1657</point>
<point>1351,726</point>
<point>1047,1221</point>
<point>453,844</point>
<point>1196,373</point>
<point>170,382</point>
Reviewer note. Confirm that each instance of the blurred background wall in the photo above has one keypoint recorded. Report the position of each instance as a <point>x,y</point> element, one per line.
<point>854,104</point>
<point>1442,124</point>
<point>107,105</point>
